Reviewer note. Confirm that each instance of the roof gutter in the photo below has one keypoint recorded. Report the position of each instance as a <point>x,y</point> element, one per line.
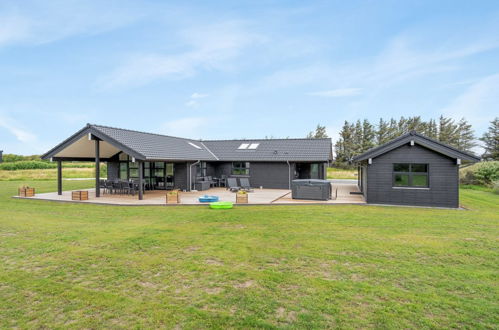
<point>190,173</point>
<point>289,174</point>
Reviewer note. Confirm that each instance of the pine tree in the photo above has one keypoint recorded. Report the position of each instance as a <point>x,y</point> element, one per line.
<point>447,131</point>
<point>368,135</point>
<point>344,145</point>
<point>393,130</point>
<point>319,133</point>
<point>466,136</point>
<point>490,140</point>
<point>414,124</point>
<point>431,130</point>
<point>382,133</point>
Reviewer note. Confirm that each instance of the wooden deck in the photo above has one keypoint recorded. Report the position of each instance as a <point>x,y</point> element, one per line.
<point>158,197</point>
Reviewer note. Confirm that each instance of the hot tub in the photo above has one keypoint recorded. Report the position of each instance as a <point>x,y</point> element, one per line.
<point>312,189</point>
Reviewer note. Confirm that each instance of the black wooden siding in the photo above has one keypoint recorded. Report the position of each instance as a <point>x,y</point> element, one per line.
<point>443,179</point>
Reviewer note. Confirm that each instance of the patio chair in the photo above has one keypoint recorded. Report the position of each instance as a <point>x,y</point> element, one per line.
<point>245,184</point>
<point>232,184</point>
<point>211,181</point>
<point>125,187</point>
<point>102,185</point>
<point>109,186</point>
<point>116,186</point>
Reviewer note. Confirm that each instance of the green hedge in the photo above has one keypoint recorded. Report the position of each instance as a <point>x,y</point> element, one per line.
<point>40,165</point>
<point>483,173</point>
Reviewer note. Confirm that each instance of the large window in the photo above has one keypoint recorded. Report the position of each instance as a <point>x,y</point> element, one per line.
<point>240,168</point>
<point>124,171</point>
<point>410,175</point>
<point>201,169</point>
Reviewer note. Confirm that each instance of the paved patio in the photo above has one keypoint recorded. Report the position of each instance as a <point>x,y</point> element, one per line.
<point>257,197</point>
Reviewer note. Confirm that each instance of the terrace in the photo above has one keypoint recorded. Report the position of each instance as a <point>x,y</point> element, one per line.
<point>342,190</point>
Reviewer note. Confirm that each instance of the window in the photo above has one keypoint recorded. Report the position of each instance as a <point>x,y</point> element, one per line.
<point>253,146</point>
<point>201,169</point>
<point>123,156</point>
<point>134,169</point>
<point>240,168</point>
<point>243,146</point>
<point>410,175</point>
<point>124,171</point>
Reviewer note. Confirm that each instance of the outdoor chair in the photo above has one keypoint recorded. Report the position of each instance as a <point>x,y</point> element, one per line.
<point>245,184</point>
<point>116,187</point>
<point>232,184</point>
<point>109,186</point>
<point>125,187</point>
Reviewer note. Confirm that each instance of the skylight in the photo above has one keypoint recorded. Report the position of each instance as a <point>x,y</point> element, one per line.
<point>243,146</point>
<point>194,145</point>
<point>253,146</point>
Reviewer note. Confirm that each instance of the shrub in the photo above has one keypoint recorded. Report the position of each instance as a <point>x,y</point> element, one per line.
<point>483,173</point>
<point>41,165</point>
<point>26,165</point>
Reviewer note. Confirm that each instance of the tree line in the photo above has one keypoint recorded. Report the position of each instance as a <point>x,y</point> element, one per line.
<point>362,135</point>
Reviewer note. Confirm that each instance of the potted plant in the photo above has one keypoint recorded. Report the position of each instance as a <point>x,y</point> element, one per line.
<point>173,197</point>
<point>25,191</point>
<point>242,197</point>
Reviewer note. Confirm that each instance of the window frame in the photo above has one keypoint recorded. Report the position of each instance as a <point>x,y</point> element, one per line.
<point>242,168</point>
<point>410,173</point>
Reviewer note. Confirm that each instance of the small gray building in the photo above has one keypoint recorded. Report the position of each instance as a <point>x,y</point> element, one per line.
<point>167,162</point>
<point>412,170</point>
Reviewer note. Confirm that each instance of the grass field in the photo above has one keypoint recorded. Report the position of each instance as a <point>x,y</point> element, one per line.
<point>90,266</point>
<point>338,173</point>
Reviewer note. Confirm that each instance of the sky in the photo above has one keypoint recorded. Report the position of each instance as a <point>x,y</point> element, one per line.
<point>240,69</point>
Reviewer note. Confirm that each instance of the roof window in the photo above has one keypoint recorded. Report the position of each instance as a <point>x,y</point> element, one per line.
<point>253,146</point>
<point>243,146</point>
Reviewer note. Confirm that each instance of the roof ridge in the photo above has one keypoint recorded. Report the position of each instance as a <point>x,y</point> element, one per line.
<point>142,132</point>
<point>200,140</point>
<point>279,139</point>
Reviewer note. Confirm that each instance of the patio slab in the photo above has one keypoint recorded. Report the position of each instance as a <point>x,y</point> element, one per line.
<point>158,197</point>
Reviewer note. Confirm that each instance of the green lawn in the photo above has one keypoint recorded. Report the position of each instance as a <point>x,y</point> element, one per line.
<point>338,173</point>
<point>89,266</point>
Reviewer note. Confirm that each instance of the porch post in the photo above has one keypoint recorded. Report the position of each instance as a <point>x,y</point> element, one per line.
<point>97,168</point>
<point>141,179</point>
<point>59,177</point>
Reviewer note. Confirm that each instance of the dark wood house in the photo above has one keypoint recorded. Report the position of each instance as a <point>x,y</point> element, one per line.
<point>412,170</point>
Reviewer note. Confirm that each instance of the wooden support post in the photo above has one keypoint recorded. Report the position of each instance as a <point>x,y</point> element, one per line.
<point>141,180</point>
<point>59,177</point>
<point>97,168</point>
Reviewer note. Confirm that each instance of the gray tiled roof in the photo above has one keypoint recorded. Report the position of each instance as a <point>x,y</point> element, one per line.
<point>156,146</point>
<point>273,150</point>
<point>421,140</point>
<point>150,146</point>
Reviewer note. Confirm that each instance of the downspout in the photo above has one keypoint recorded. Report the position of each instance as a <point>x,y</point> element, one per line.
<point>289,175</point>
<point>190,173</point>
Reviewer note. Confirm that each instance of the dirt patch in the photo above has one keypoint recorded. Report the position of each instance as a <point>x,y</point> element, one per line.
<point>244,285</point>
<point>282,314</point>
<point>214,262</point>
<point>214,290</point>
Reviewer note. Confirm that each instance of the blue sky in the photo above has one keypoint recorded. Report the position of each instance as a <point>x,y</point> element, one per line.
<point>236,69</point>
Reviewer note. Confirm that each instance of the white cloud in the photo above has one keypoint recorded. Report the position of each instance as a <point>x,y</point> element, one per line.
<point>21,134</point>
<point>199,96</point>
<point>191,103</point>
<point>38,22</point>
<point>478,103</point>
<point>340,92</point>
<point>185,127</point>
<point>212,47</point>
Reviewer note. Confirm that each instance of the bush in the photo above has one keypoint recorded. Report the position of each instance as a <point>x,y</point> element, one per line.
<point>41,165</point>
<point>26,165</point>
<point>483,173</point>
